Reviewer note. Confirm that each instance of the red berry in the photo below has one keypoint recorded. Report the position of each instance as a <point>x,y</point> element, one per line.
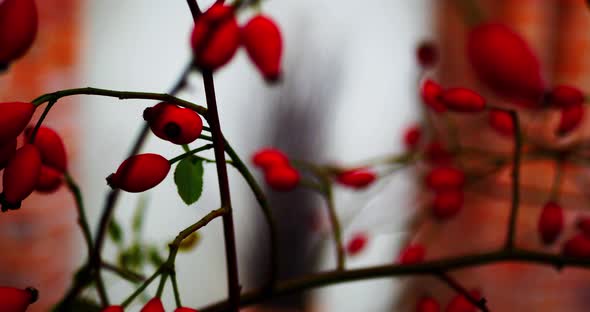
<point>282,178</point>
<point>583,224</point>
<point>463,100</point>
<point>182,309</point>
<point>140,173</point>
<point>577,247</point>
<point>550,222</point>
<point>269,157</point>
<point>215,38</point>
<point>18,28</point>
<point>7,150</point>
<point>49,180</point>
<point>444,178</point>
<point>14,117</point>
<point>562,96</point>
<point>21,176</point>
<point>571,118</point>
<point>51,147</point>
<point>437,153</point>
<point>430,93</point>
<point>356,244</point>
<point>154,305</point>
<point>262,39</point>
<point>505,63</point>
<point>460,304</point>
<point>15,299</point>
<point>356,178</point>
<point>412,137</point>
<point>427,54</point>
<point>412,254</point>
<point>427,304</point>
<point>501,121</point>
<point>447,203</point>
<point>113,309</point>
<point>172,123</point>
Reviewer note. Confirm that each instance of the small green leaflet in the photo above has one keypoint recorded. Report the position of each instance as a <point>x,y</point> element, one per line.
<point>188,177</point>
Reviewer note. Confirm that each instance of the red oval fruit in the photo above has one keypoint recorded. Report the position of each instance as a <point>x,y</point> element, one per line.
<point>172,123</point>
<point>505,63</point>
<point>356,178</point>
<point>427,304</point>
<point>7,151</point>
<point>262,38</point>
<point>577,247</point>
<point>18,28</point>
<point>49,180</point>
<point>215,38</point>
<point>550,222</point>
<point>430,93</point>
<point>501,121</point>
<point>437,154</point>
<point>20,176</point>
<point>571,118</point>
<point>15,299</point>
<point>183,309</point>
<point>269,157</point>
<point>140,173</point>
<point>154,305</point>
<point>563,96</point>
<point>444,178</point>
<point>113,309</point>
<point>51,147</point>
<point>412,137</point>
<point>447,203</point>
<point>14,117</point>
<point>583,224</point>
<point>357,244</point>
<point>462,100</point>
<point>427,54</point>
<point>412,254</point>
<point>460,304</point>
<point>282,178</point>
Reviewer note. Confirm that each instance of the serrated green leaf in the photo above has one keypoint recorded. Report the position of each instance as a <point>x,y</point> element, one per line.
<point>188,177</point>
<point>115,231</point>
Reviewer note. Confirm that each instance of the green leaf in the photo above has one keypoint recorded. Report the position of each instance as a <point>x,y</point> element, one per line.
<point>190,242</point>
<point>188,177</point>
<point>139,215</point>
<point>154,257</point>
<point>115,231</point>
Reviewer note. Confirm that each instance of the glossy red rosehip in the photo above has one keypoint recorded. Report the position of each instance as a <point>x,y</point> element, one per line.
<point>501,122</point>
<point>577,247</point>
<point>412,137</point>
<point>172,123</point>
<point>356,178</point>
<point>183,309</point>
<point>14,117</point>
<point>462,100</point>
<point>430,93</point>
<point>427,304</point>
<point>437,154</point>
<point>21,176</point>
<point>49,180</point>
<point>551,222</point>
<point>282,178</point>
<point>427,54</point>
<point>505,63</point>
<point>7,151</point>
<point>113,309</point>
<point>262,39</point>
<point>563,96</point>
<point>583,224</point>
<point>18,28</point>
<point>412,254</point>
<point>140,173</point>
<point>444,178</point>
<point>154,305</point>
<point>215,38</point>
<point>16,300</point>
<point>571,117</point>
<point>357,244</point>
<point>269,157</point>
<point>51,147</point>
<point>447,203</point>
<point>460,304</point>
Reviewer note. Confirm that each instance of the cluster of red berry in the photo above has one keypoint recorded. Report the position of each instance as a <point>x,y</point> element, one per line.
<point>457,304</point>
<point>154,305</point>
<point>551,225</point>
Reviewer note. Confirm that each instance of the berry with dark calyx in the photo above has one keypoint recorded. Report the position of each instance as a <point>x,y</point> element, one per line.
<point>501,121</point>
<point>18,28</point>
<point>461,304</point>
<point>427,54</point>
<point>17,300</point>
<point>427,304</point>
<point>49,180</point>
<point>412,137</point>
<point>444,178</point>
<point>172,123</point>
<point>430,92</point>
<point>14,118</point>
<point>140,173</point>
<point>7,151</point>
<point>113,309</point>
<point>551,222</point>
<point>262,38</point>
<point>563,96</point>
<point>571,117</point>
<point>436,153</point>
<point>20,176</point>
<point>577,247</point>
<point>51,147</point>
<point>183,309</point>
<point>215,38</point>
<point>583,224</point>
<point>154,305</point>
<point>357,244</point>
<point>282,178</point>
<point>447,203</point>
<point>462,100</point>
<point>412,254</point>
<point>269,157</point>
<point>356,178</point>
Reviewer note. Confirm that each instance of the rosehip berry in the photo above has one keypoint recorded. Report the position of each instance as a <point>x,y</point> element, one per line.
<point>583,224</point>
<point>462,100</point>
<point>427,304</point>
<point>14,117</point>
<point>113,309</point>
<point>577,247</point>
<point>505,63</point>
<point>447,203</point>
<point>20,176</point>
<point>563,96</point>
<point>172,123</point>
<point>282,178</point>
<point>550,222</point>
<point>262,38</point>
<point>154,305</point>
<point>182,309</point>
<point>430,93</point>
<point>444,178</point>
<point>49,180</point>
<point>357,244</point>
<point>356,178</point>
<point>51,147</point>
<point>140,173</point>
<point>437,153</point>
<point>571,118</point>
<point>412,254</point>
<point>412,137</point>
<point>18,28</point>
<point>501,121</point>
<point>427,54</point>
<point>269,157</point>
<point>17,300</point>
<point>7,150</point>
<point>460,304</point>
<point>215,38</point>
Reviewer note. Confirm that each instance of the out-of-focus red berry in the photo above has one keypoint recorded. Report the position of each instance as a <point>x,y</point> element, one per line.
<point>430,92</point>
<point>269,157</point>
<point>583,224</point>
<point>427,54</point>
<point>412,254</point>
<point>460,304</point>
<point>444,178</point>
<point>357,244</point>
<point>262,39</point>
<point>501,122</point>
<point>412,137</point>
<point>462,100</point>
<point>563,96</point>
<point>447,203</point>
<point>18,28</point>
<point>550,222</point>
<point>571,118</point>
<point>437,154</point>
<point>577,247</point>
<point>356,178</point>
<point>427,304</point>
<point>282,178</point>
